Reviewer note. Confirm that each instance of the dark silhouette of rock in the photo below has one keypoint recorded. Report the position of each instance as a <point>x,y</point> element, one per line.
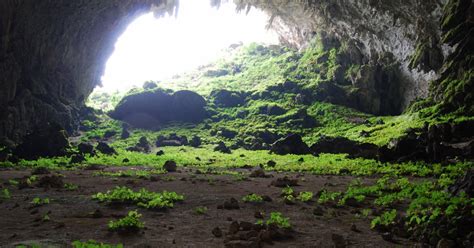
<point>227,99</point>
<point>125,134</point>
<point>221,147</point>
<point>171,140</point>
<point>142,146</point>
<point>85,148</point>
<point>160,153</point>
<point>109,134</point>
<point>77,158</point>
<point>195,141</point>
<point>344,145</point>
<point>292,144</point>
<point>157,107</point>
<point>105,148</point>
<point>170,166</point>
<point>48,141</point>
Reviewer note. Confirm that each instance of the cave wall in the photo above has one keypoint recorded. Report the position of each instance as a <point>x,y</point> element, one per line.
<point>52,55</point>
<point>405,29</point>
<point>53,52</point>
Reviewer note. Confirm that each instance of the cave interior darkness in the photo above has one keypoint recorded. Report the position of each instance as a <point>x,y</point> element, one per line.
<point>346,124</point>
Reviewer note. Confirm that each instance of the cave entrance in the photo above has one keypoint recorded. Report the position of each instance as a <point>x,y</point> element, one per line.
<point>156,49</point>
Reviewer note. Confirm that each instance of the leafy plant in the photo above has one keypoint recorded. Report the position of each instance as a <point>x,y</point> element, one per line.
<point>305,196</point>
<point>278,219</point>
<point>255,198</point>
<point>142,198</point>
<point>129,223</point>
<point>37,201</point>
<point>93,244</point>
<point>387,218</point>
<point>70,186</point>
<point>200,210</point>
<point>5,195</point>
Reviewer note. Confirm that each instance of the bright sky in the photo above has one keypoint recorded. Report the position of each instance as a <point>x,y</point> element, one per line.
<point>156,49</point>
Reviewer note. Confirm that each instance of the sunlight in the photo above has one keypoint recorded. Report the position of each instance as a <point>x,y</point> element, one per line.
<point>156,49</point>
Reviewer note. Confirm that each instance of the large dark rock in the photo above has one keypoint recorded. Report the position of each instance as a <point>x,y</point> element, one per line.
<point>292,144</point>
<point>105,149</point>
<point>227,99</point>
<point>344,145</point>
<point>47,141</point>
<point>142,146</point>
<point>156,107</point>
<point>171,140</point>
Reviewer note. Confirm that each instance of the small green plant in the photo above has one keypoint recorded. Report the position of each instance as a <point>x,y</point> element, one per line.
<point>5,195</point>
<point>37,201</point>
<point>129,223</point>
<point>386,219</point>
<point>70,186</point>
<point>93,244</point>
<point>305,196</point>
<point>254,198</point>
<point>277,218</point>
<point>287,191</point>
<point>13,182</point>
<point>328,196</point>
<point>200,210</point>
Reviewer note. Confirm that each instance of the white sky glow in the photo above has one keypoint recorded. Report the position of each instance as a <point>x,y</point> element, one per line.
<point>156,49</point>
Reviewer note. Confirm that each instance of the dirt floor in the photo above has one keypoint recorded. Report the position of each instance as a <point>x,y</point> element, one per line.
<point>71,212</point>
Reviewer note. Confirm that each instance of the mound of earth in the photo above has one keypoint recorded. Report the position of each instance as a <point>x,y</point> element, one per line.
<point>151,108</point>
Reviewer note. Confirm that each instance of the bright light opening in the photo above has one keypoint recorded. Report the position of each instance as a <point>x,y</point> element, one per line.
<point>156,49</point>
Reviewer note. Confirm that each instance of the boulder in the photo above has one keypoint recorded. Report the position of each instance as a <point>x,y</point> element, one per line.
<point>195,141</point>
<point>85,148</point>
<point>221,147</point>
<point>142,146</point>
<point>158,107</point>
<point>48,141</point>
<point>227,99</point>
<point>105,149</point>
<point>344,145</point>
<point>170,166</point>
<point>292,144</point>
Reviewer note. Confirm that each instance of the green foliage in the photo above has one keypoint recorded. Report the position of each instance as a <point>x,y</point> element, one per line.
<point>386,219</point>
<point>70,186</point>
<point>254,198</point>
<point>131,222</point>
<point>200,210</point>
<point>141,198</point>
<point>93,244</point>
<point>327,196</point>
<point>5,195</point>
<point>277,218</point>
<point>305,196</point>
<point>145,174</point>
<point>37,201</point>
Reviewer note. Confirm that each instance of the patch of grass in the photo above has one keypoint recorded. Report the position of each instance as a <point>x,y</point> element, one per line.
<point>305,196</point>
<point>145,174</point>
<point>142,198</point>
<point>70,186</point>
<point>386,219</point>
<point>277,218</point>
<point>5,195</point>
<point>37,201</point>
<point>130,223</point>
<point>94,244</point>
<point>201,210</point>
<point>253,198</point>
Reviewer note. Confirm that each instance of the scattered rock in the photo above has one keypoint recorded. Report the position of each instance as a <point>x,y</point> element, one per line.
<point>105,149</point>
<point>40,171</point>
<point>217,232</point>
<point>231,204</point>
<point>354,228</point>
<point>234,227</point>
<point>53,181</point>
<point>221,147</point>
<point>160,153</point>
<point>318,211</point>
<point>292,144</point>
<point>170,166</point>
<point>109,134</point>
<point>85,148</point>
<point>125,160</point>
<point>142,146</point>
<point>338,240</point>
<point>195,141</point>
<point>259,172</point>
<point>227,99</point>
<point>284,182</point>
<point>387,236</point>
<point>77,158</point>
<point>445,243</point>
<point>271,163</point>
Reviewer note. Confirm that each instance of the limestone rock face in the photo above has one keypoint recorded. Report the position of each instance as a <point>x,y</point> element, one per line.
<point>53,53</point>
<point>407,30</point>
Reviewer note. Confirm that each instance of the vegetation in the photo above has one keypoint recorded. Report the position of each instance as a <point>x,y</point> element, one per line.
<point>141,198</point>
<point>277,218</point>
<point>129,223</point>
<point>253,198</point>
<point>94,244</point>
<point>37,201</point>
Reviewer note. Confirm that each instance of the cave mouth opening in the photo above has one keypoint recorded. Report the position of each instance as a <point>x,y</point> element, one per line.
<point>156,49</point>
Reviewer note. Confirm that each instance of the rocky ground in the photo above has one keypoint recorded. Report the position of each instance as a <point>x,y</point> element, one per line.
<point>74,215</point>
